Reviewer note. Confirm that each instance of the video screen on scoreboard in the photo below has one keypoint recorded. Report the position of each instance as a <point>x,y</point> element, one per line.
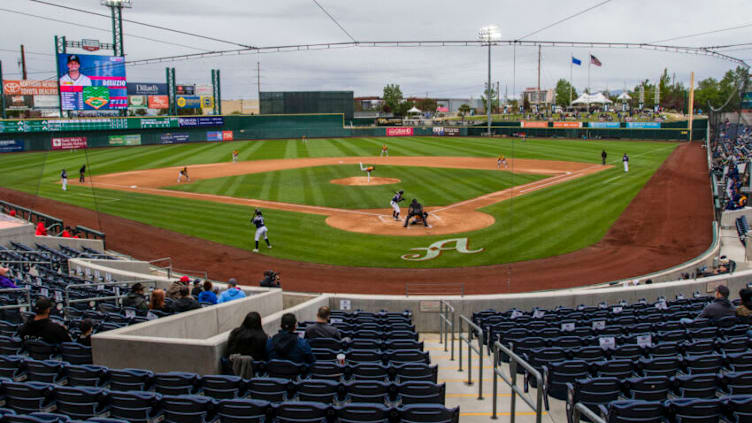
<point>90,82</point>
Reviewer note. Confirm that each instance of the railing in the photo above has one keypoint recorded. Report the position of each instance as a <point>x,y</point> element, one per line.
<point>33,216</point>
<point>26,290</point>
<point>117,296</point>
<point>89,233</point>
<point>446,325</point>
<point>472,328</point>
<point>435,289</point>
<point>514,360</point>
<point>580,408</point>
<point>169,265</point>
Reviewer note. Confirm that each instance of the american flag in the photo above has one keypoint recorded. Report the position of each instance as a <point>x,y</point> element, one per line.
<point>594,60</point>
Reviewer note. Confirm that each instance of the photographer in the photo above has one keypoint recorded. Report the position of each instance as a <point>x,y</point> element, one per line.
<point>271,280</point>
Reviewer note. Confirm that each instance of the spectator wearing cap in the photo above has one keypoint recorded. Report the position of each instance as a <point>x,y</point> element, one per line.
<point>173,291</point>
<point>186,302</point>
<point>322,328</point>
<point>197,288</point>
<point>136,298</point>
<point>720,306</point>
<point>87,328</point>
<point>232,293</point>
<point>287,345</point>
<point>207,295</point>
<point>41,327</point>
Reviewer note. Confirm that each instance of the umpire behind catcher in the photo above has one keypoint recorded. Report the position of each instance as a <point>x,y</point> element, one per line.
<point>416,209</point>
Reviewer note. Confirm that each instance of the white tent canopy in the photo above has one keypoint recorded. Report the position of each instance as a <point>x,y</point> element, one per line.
<point>414,110</point>
<point>597,98</point>
<point>624,97</point>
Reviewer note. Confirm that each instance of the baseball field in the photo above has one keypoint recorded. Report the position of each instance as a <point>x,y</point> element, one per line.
<point>554,198</point>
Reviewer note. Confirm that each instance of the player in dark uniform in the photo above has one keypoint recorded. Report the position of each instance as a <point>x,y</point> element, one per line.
<point>416,209</point>
<point>258,221</point>
<point>395,204</point>
<point>81,174</point>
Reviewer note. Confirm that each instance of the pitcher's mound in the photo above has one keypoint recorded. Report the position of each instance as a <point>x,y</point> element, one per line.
<point>363,180</point>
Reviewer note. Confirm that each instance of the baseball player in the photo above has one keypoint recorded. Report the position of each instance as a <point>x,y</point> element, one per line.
<point>235,156</point>
<point>258,221</point>
<point>384,151</point>
<point>183,173</point>
<point>625,159</point>
<point>395,204</point>
<point>82,174</point>
<point>501,161</point>
<point>368,171</point>
<point>64,179</point>
<point>416,209</point>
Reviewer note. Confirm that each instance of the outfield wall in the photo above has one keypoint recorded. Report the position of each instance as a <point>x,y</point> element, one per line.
<point>30,135</point>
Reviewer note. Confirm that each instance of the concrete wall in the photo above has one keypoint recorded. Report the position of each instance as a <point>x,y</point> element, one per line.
<point>25,234</point>
<point>728,218</point>
<point>184,342</point>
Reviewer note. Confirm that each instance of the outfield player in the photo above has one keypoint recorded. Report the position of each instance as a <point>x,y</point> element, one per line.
<point>384,151</point>
<point>501,161</point>
<point>64,179</point>
<point>258,221</point>
<point>395,204</point>
<point>368,171</point>
<point>625,159</point>
<point>235,156</point>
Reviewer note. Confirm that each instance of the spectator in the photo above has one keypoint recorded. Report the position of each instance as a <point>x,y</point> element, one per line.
<point>207,295</point>
<point>287,345</point>
<point>232,293</point>
<point>158,302</point>
<point>719,307</point>
<point>87,327</point>
<point>196,288</point>
<point>5,281</point>
<point>322,328</point>
<point>136,298</point>
<point>185,302</point>
<point>249,338</point>
<point>41,230</point>
<point>66,232</point>
<point>173,291</point>
<point>271,280</point>
<point>745,308</point>
<point>41,327</point>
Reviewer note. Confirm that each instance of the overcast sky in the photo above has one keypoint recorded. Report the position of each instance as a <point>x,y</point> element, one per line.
<point>457,72</point>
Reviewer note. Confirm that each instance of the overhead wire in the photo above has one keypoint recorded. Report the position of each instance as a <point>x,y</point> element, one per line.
<point>334,20</point>
<point>715,31</point>
<point>582,12</point>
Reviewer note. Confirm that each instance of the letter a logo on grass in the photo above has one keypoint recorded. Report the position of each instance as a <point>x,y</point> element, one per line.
<point>434,250</point>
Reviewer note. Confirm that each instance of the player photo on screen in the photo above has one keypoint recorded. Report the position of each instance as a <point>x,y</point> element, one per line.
<point>89,82</point>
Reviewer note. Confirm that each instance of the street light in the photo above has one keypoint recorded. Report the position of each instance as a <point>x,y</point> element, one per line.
<point>488,34</point>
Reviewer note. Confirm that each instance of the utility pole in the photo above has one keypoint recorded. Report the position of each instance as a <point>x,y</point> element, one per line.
<point>539,60</point>
<point>258,81</point>
<point>23,63</point>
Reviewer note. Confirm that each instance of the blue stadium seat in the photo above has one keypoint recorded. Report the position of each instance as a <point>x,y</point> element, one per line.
<point>738,408</point>
<point>694,410</point>
<point>37,418</point>
<point>661,366</point>
<point>268,389</point>
<point>327,343</point>
<point>591,353</point>
<point>75,353</point>
<point>398,357</point>
<point>620,369</point>
<point>591,392</point>
<point>188,409</point>
<point>370,371</point>
<point>421,393</point>
<point>47,371</point>
<point>557,375</point>
<point>327,371</point>
<point>631,411</point>
<point>325,354</point>
<point>735,344</point>
<point>366,344</point>
<point>325,391</point>
<point>40,350</point>
<point>13,367</point>
<point>695,386</point>
<point>29,397</point>
<point>631,352</point>
<point>136,406</point>
<point>707,363</point>
<point>10,345</point>
<point>428,413</point>
<point>416,371</point>
<point>284,369</point>
<point>302,412</point>
<point>697,347</point>
<point>243,411</point>
<point>367,391</point>
<point>365,356</point>
<point>403,344</point>
<point>736,383</point>
<point>739,362</point>
<point>364,412</point>
<point>82,402</point>
<point>87,375</point>
<point>648,388</point>
<point>131,379</point>
<point>177,383</point>
<point>224,386</point>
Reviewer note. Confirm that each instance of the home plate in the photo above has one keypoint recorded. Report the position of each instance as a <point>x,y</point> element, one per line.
<point>134,186</point>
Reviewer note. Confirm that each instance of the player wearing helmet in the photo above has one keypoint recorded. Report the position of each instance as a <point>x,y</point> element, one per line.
<point>258,221</point>
<point>395,204</point>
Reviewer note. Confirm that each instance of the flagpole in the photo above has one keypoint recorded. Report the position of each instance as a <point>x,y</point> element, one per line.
<point>571,62</point>
<point>590,60</point>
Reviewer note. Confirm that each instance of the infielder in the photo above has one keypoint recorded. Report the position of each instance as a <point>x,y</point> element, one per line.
<point>183,173</point>
<point>384,151</point>
<point>395,204</point>
<point>64,179</point>
<point>258,221</point>
<point>235,156</point>
<point>625,159</point>
<point>368,171</point>
<point>501,161</point>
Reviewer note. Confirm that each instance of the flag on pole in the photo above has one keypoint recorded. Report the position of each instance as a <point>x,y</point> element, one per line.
<point>594,60</point>
<point>576,61</point>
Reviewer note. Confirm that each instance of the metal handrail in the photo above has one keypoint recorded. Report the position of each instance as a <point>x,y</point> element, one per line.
<point>580,408</point>
<point>169,266</point>
<point>469,340</point>
<point>458,287</point>
<point>117,296</point>
<point>446,325</point>
<point>514,360</point>
<point>94,233</point>
<point>26,290</point>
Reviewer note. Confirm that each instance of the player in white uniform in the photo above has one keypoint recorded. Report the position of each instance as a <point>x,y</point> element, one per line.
<point>625,159</point>
<point>258,221</point>
<point>74,77</point>
<point>64,179</point>
<point>395,204</point>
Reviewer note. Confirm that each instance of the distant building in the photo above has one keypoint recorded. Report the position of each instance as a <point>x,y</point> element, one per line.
<point>538,97</point>
<point>242,106</point>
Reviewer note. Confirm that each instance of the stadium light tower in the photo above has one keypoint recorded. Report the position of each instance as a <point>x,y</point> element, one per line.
<point>116,6</point>
<point>488,34</point>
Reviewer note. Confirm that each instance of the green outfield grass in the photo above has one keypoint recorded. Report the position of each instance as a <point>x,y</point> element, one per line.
<point>552,221</point>
<point>312,185</point>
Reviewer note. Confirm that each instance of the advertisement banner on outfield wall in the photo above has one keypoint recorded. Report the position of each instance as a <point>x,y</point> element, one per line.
<point>188,101</point>
<point>173,138</point>
<point>68,143</point>
<point>604,125</point>
<point>192,122</point>
<point>29,87</point>
<point>651,125</point>
<point>441,131</point>
<point>533,124</point>
<point>219,136</point>
<point>159,102</point>
<point>137,101</point>
<point>10,146</point>
<point>567,124</point>
<point>399,132</point>
<point>134,139</point>
<point>19,102</point>
<point>147,88</point>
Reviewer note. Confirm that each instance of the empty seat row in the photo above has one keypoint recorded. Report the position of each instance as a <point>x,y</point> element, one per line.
<point>71,352</point>
<point>731,409</point>
<point>378,356</point>
<point>366,344</point>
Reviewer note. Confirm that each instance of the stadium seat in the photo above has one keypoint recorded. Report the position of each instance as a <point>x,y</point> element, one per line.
<point>732,345</point>
<point>40,350</point>
<point>188,408</point>
<point>738,408</point>
<point>177,383</point>
<point>398,357</point>
<point>325,354</point>
<point>13,367</point>
<point>739,362</point>
<point>365,356</point>
<point>75,353</point>
<point>363,412</point>
<point>421,393</point>
<point>403,344</point>
<point>243,411</point>
<point>10,345</point>
<point>366,391</point>
<point>428,413</point>
<point>37,418</point>
<point>284,369</point>
<point>697,347</point>
<point>736,383</point>
<point>557,375</point>
<point>302,412</point>
<point>416,371</point>
<point>661,366</point>
<point>695,386</point>
<point>131,379</point>
<point>87,375</point>
<point>620,369</point>
<point>327,371</point>
<point>591,392</point>
<point>366,344</point>
<point>82,402</point>
<point>708,363</point>
<point>648,388</point>
<point>370,371</point>
<point>29,397</point>
<point>47,371</point>
<point>631,352</point>
<point>325,391</point>
<point>268,389</point>
<point>223,386</point>
<point>631,411</point>
<point>694,410</point>
<point>136,406</point>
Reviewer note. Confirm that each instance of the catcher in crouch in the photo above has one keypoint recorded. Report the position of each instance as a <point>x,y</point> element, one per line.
<point>416,209</point>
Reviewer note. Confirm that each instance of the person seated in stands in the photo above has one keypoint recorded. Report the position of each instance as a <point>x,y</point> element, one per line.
<point>249,338</point>
<point>287,345</point>
<point>232,293</point>
<point>41,230</point>
<point>322,328</point>
<point>87,328</point>
<point>718,308</point>
<point>173,291</point>
<point>5,281</point>
<point>186,302</point>
<point>41,327</point>
<point>724,266</point>
<point>271,280</point>
<point>158,302</point>
<point>197,288</point>
<point>207,295</point>
<point>68,233</point>
<point>136,298</point>
<point>744,310</point>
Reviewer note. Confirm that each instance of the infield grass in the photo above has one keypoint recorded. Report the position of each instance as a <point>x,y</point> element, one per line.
<point>555,220</point>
